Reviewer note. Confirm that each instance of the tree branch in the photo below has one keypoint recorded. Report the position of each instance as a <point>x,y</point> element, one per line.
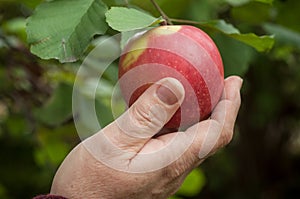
<point>185,21</point>
<point>163,14</point>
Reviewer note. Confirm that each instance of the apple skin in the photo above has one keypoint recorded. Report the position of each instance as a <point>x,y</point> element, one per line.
<point>183,52</point>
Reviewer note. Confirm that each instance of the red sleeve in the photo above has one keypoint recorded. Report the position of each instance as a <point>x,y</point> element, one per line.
<point>49,196</point>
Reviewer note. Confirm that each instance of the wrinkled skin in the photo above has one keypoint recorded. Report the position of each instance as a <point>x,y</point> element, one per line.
<point>88,173</point>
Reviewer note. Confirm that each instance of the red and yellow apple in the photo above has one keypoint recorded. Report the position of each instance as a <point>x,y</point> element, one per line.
<point>182,52</point>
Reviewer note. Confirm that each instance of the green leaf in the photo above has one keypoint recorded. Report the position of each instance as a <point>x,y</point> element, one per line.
<point>16,126</point>
<point>288,15</point>
<point>132,19</point>
<point>31,3</point>
<point>17,27</point>
<point>111,3</point>
<point>202,10</point>
<point>265,1</point>
<point>193,183</point>
<point>63,29</point>
<point>53,152</point>
<point>221,26</point>
<point>283,34</point>
<point>237,2</point>
<point>87,123</point>
<point>260,43</point>
<point>244,14</point>
<point>127,35</point>
<point>54,144</point>
<point>236,56</point>
<point>59,108</point>
<point>242,2</point>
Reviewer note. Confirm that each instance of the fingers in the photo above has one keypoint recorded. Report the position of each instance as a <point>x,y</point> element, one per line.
<point>182,150</point>
<point>185,150</point>
<point>212,134</point>
<point>223,118</point>
<point>221,125</point>
<point>226,111</point>
<point>147,115</point>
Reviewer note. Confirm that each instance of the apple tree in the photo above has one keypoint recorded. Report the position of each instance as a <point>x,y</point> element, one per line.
<point>45,43</point>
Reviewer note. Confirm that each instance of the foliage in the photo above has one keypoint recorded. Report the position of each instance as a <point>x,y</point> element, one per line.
<point>87,20</point>
<point>69,33</point>
<point>258,40</point>
<point>129,16</point>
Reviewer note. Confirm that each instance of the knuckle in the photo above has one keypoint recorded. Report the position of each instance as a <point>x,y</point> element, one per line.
<point>140,116</point>
<point>174,171</point>
<point>226,137</point>
<point>146,117</point>
<point>180,167</point>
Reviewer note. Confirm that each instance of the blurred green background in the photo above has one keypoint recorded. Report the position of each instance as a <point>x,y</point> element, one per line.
<point>263,160</point>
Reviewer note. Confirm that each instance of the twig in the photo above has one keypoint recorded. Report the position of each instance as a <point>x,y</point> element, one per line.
<point>163,14</point>
<point>185,21</point>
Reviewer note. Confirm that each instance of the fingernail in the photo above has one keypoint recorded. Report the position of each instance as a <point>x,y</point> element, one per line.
<point>170,91</point>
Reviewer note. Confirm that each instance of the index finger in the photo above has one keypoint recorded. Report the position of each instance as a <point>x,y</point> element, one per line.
<point>203,138</point>
<point>223,118</point>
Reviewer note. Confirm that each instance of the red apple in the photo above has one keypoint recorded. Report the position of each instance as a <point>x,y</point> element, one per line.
<point>183,52</point>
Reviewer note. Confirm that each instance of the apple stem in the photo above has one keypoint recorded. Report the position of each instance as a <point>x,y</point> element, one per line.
<point>163,14</point>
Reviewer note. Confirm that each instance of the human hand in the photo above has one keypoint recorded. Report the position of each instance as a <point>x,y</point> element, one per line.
<point>124,160</point>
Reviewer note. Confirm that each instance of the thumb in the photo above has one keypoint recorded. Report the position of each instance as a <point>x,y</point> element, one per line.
<point>145,118</point>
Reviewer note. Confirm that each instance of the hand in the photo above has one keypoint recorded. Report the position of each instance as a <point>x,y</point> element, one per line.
<point>124,160</point>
